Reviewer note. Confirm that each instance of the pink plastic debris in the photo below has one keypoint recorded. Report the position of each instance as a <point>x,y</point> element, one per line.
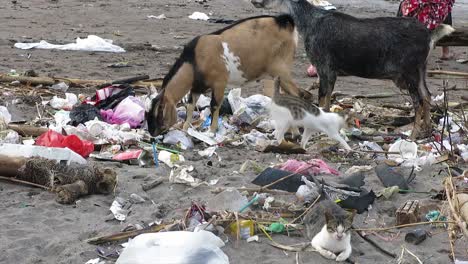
<point>131,110</point>
<point>311,167</point>
<point>128,155</point>
<point>102,94</point>
<point>312,71</point>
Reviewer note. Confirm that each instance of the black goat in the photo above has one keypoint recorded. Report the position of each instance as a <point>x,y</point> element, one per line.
<point>392,48</point>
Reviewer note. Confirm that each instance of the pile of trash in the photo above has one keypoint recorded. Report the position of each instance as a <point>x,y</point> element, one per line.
<point>110,125</point>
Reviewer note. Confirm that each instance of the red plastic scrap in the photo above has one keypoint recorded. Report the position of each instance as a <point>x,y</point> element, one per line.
<point>73,142</point>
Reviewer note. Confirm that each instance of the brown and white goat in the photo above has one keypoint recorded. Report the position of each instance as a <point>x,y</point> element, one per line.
<point>242,52</point>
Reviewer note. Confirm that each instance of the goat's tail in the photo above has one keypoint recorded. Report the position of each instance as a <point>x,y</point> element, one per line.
<point>439,32</point>
<point>277,86</point>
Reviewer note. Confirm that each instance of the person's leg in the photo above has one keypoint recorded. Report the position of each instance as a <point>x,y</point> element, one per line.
<point>399,13</point>
<point>445,49</point>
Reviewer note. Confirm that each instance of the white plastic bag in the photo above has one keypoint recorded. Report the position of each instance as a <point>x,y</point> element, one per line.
<point>177,247</point>
<point>66,103</point>
<point>5,116</point>
<point>173,137</point>
<point>91,43</point>
<point>199,16</point>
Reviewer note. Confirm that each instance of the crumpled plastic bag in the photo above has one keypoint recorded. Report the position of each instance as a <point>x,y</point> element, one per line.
<point>199,16</point>
<point>5,116</point>
<point>177,247</point>
<point>91,43</point>
<point>66,103</point>
<point>311,167</point>
<point>115,134</point>
<point>131,111</point>
<point>10,137</point>
<point>307,192</point>
<point>83,113</point>
<point>73,142</point>
<point>388,192</point>
<point>255,137</point>
<point>407,150</point>
<point>181,175</point>
<point>175,137</point>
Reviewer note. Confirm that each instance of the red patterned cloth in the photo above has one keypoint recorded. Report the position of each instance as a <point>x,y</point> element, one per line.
<point>430,12</point>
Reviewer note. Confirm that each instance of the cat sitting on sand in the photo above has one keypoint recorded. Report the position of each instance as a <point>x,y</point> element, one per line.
<point>291,112</point>
<point>329,226</point>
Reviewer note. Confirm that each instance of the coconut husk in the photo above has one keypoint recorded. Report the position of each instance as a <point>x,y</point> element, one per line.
<point>70,182</point>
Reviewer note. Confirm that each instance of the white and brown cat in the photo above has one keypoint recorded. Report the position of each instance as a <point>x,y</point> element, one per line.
<point>292,112</point>
<point>329,227</point>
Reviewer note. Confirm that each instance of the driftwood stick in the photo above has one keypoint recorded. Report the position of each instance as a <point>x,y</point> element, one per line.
<point>131,79</point>
<point>241,189</point>
<point>306,210</point>
<point>28,131</point>
<point>124,235</point>
<point>402,226</point>
<point>285,178</point>
<point>399,107</point>
<point>151,185</point>
<point>463,74</point>
<point>27,79</point>
<point>11,179</point>
<point>458,220</point>
<point>373,243</point>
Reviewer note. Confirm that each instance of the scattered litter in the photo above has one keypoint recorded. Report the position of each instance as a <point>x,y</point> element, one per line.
<point>435,215</point>
<point>255,138</point>
<point>73,142</point>
<point>253,239</point>
<point>117,209</point>
<point>162,16</point>
<point>10,137</point>
<point>5,116</point>
<point>390,176</point>
<point>311,167</point>
<point>408,150</point>
<point>230,200</point>
<point>246,229</point>
<point>416,236</point>
<point>199,16</point>
<point>95,261</point>
<point>181,175</point>
<point>27,151</point>
<point>135,198</point>
<point>360,203</point>
<point>388,192</point>
<point>130,110</point>
<point>307,192</point>
<point>355,169</point>
<point>66,103</point>
<point>408,213</point>
<point>60,87</point>
<point>83,113</point>
<point>203,102</point>
<point>176,137</point>
<point>276,228</point>
<point>170,159</point>
<point>285,147</point>
<point>135,157</point>
<point>91,43</point>
<point>208,152</point>
<point>201,136</point>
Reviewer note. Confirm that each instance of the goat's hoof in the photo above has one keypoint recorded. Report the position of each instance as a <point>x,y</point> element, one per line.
<point>420,132</point>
